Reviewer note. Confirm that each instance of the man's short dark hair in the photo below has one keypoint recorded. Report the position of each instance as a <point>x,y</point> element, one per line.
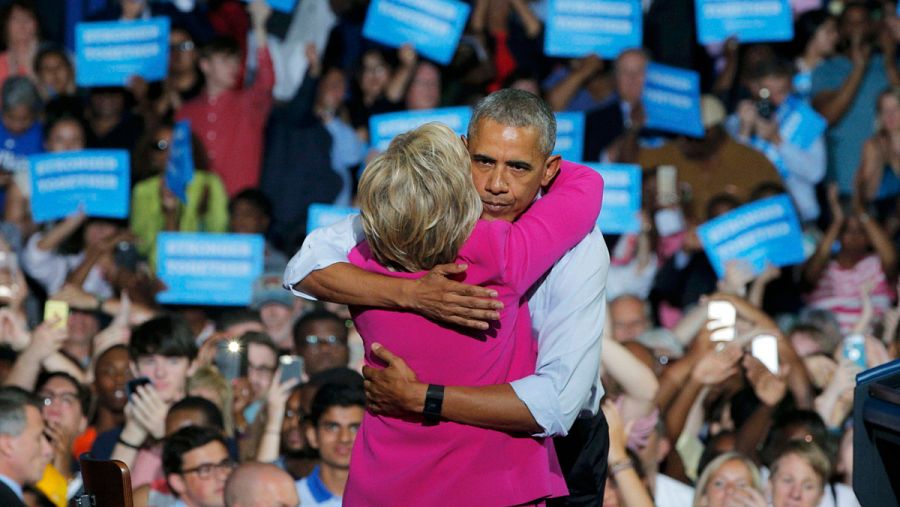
<point>167,335</point>
<point>260,339</point>
<point>210,411</point>
<point>52,51</point>
<point>254,197</point>
<point>340,375</point>
<point>235,317</point>
<point>184,441</point>
<point>335,395</point>
<point>220,46</point>
<point>13,401</point>
<point>517,108</point>
<point>84,396</point>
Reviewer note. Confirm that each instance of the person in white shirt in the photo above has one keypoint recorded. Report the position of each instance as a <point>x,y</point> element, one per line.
<point>567,307</point>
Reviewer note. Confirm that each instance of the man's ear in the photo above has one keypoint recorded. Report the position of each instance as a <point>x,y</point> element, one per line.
<point>7,445</point>
<point>551,167</point>
<point>311,437</point>
<point>176,482</point>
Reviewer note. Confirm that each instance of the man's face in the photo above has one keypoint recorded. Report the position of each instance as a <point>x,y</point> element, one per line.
<point>508,168</point>
<point>247,219</point>
<point>62,407</point>
<point>82,326</point>
<point>628,319</point>
<point>631,72</point>
<point>182,52</point>
<point>168,374</point>
<point>54,74</point>
<point>779,87</point>
<point>30,451</point>
<point>261,364</point>
<point>202,484</point>
<point>276,316</point>
<point>221,69</point>
<point>293,437</point>
<point>110,377</point>
<point>335,433</point>
<point>329,349</point>
<point>18,119</point>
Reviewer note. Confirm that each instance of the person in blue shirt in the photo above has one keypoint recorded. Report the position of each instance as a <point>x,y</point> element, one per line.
<point>21,134</point>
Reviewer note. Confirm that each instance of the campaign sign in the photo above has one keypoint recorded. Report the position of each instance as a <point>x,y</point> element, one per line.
<point>385,127</point>
<point>180,169</point>
<point>323,215</point>
<point>748,20</point>
<point>208,269</point>
<point>621,198</point>
<point>577,28</point>
<point>109,53</point>
<point>800,124</point>
<point>762,232</point>
<point>433,27</point>
<point>97,180</point>
<point>280,5</point>
<point>570,135</point>
<point>671,100</point>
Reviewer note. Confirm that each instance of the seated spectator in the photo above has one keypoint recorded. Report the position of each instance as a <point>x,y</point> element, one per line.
<point>320,337</point>
<point>337,412</point>
<point>260,485</point>
<point>55,74</point>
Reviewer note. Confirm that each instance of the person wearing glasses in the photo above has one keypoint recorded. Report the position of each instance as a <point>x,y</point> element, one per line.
<point>320,337</point>
<point>196,464</point>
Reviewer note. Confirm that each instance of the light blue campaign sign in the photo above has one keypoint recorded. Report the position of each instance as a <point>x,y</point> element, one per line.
<point>621,198</point>
<point>671,100</point>
<point>109,53</point>
<point>280,5</point>
<point>433,27</point>
<point>748,20</point>
<point>323,215</point>
<point>180,169</point>
<point>577,28</point>
<point>97,180</point>
<point>762,232</point>
<point>799,123</point>
<point>208,269</point>
<point>384,127</point>
<point>570,135</point>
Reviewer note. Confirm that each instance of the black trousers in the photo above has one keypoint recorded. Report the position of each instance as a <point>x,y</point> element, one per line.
<point>583,457</point>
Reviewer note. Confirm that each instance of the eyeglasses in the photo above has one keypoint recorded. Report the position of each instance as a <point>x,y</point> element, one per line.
<point>206,470</point>
<point>161,145</point>
<point>67,399</point>
<point>298,414</point>
<point>182,46</point>
<point>330,340</point>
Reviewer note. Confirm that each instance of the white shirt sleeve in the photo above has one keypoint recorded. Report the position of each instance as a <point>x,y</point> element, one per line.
<point>46,266</point>
<point>322,248</point>
<point>568,311</point>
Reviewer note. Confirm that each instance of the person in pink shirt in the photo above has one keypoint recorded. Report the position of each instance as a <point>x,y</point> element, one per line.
<point>420,209</point>
<point>230,122</point>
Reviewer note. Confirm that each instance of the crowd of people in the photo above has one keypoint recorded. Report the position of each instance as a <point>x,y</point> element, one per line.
<point>279,106</point>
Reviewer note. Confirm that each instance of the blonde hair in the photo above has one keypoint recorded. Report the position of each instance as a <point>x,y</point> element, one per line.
<point>715,465</point>
<point>418,202</point>
<point>809,452</point>
<point>209,378</point>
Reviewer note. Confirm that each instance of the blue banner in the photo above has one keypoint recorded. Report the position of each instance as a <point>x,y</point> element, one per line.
<point>762,232</point>
<point>577,28</point>
<point>570,135</point>
<point>98,180</point>
<point>384,127</point>
<point>208,269</point>
<point>280,5</point>
<point>109,53</point>
<point>433,27</point>
<point>671,100</point>
<point>800,124</point>
<point>748,20</point>
<point>323,215</point>
<point>180,169</point>
<point>621,198</point>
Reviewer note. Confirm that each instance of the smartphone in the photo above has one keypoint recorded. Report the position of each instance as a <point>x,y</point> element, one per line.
<point>854,349</point>
<point>132,385</point>
<point>721,314</point>
<point>57,310</point>
<point>669,221</point>
<point>126,256</point>
<point>9,267</point>
<point>765,348</point>
<point>291,367</point>
<point>231,359</point>
<point>666,185</point>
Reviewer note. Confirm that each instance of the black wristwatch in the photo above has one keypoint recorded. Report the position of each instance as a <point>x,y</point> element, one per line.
<point>434,399</point>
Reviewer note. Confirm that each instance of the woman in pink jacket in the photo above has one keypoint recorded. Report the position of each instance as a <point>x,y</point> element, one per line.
<point>419,209</point>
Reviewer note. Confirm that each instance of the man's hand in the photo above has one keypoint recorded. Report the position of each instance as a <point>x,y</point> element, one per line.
<point>439,298</point>
<point>395,389</point>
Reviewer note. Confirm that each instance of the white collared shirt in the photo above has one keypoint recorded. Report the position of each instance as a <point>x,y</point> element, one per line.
<point>567,307</point>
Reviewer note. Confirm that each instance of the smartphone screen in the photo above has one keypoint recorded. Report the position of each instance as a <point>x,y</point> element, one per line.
<point>132,385</point>
<point>765,348</point>
<point>231,359</point>
<point>854,349</point>
<point>57,310</point>
<point>666,185</point>
<point>721,314</point>
<point>291,367</point>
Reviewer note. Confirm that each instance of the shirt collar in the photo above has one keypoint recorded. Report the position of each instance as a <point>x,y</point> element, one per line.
<point>13,485</point>
<point>317,487</point>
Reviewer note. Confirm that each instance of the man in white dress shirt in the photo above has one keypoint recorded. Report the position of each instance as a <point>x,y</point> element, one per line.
<point>567,306</point>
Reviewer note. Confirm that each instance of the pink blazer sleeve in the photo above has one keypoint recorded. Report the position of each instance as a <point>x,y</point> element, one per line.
<point>552,225</point>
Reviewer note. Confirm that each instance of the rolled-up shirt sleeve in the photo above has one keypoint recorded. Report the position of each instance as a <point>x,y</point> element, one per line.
<point>568,311</point>
<point>322,248</point>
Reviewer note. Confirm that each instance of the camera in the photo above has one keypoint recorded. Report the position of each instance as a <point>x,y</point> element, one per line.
<point>764,106</point>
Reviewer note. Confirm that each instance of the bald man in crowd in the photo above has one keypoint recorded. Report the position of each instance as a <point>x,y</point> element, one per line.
<point>260,485</point>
